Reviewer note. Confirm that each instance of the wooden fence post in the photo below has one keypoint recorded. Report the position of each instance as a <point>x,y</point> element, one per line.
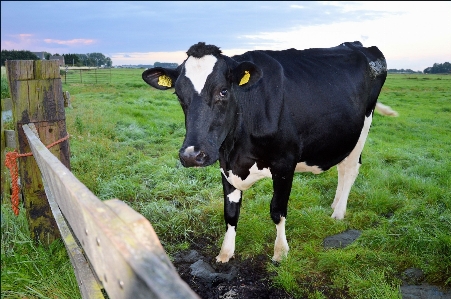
<point>37,97</point>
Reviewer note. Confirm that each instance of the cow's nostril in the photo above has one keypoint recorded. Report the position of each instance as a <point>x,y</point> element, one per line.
<point>201,157</point>
<point>191,158</point>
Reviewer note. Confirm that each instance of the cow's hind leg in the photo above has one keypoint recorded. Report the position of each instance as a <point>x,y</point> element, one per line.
<point>348,170</point>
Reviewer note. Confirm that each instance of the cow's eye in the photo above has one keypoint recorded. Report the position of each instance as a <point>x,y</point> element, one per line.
<point>223,92</point>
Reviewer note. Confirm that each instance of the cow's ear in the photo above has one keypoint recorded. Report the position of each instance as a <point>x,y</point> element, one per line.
<point>160,78</point>
<point>247,74</point>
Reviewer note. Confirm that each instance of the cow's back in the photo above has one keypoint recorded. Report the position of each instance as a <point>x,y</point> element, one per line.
<point>324,94</point>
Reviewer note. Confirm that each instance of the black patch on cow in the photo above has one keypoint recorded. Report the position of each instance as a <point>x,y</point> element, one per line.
<point>200,49</point>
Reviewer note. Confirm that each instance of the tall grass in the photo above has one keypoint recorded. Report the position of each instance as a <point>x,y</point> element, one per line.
<point>125,141</point>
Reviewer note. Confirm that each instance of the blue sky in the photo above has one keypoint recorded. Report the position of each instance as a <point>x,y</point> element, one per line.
<point>411,34</point>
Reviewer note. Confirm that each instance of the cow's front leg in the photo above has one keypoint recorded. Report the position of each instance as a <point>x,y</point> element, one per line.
<point>279,203</point>
<point>232,204</point>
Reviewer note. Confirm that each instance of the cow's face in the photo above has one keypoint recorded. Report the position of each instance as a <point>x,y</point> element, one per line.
<point>204,86</point>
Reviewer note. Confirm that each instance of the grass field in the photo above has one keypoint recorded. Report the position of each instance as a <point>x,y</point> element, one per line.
<point>124,144</point>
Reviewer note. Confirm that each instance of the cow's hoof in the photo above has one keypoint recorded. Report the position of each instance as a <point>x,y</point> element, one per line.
<point>279,257</point>
<point>280,249</point>
<point>338,215</point>
<point>223,258</point>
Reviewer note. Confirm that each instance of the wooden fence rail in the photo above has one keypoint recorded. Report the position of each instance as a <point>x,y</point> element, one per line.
<point>120,243</point>
<point>110,245</point>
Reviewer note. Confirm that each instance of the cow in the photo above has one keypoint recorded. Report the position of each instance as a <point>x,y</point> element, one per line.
<point>269,114</point>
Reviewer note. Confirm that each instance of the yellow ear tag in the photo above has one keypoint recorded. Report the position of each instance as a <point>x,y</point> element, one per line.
<point>245,78</point>
<point>165,81</point>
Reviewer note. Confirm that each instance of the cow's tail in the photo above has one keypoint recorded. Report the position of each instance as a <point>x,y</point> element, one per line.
<point>385,110</point>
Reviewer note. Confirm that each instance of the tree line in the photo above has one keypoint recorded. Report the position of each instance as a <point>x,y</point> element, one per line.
<point>403,71</point>
<point>438,68</point>
<point>89,59</point>
<point>17,55</point>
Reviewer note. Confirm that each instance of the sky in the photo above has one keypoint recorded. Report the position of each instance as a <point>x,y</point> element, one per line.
<point>412,35</point>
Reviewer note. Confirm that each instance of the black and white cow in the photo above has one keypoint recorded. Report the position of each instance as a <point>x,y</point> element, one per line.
<point>273,113</point>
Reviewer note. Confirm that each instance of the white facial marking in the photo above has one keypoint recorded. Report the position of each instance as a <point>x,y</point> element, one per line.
<point>348,169</point>
<point>228,245</point>
<point>281,245</point>
<point>189,149</point>
<point>302,167</point>
<point>198,69</point>
<point>235,196</point>
<point>254,175</point>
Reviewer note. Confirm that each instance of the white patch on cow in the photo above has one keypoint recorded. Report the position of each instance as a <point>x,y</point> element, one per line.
<point>348,169</point>
<point>255,174</point>
<point>198,69</point>
<point>378,67</point>
<point>189,149</point>
<point>281,245</point>
<point>228,245</point>
<point>235,196</point>
<point>302,167</point>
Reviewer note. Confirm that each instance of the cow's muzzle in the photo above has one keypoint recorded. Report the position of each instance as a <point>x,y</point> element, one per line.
<point>193,158</point>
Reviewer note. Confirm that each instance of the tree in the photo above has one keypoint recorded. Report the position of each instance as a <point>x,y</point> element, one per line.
<point>71,59</point>
<point>83,59</point>
<point>96,59</point>
<point>109,62</point>
<point>17,55</point>
<point>438,68</point>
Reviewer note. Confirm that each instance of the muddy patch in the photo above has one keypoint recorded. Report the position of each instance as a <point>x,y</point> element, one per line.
<point>249,279</point>
<point>235,279</point>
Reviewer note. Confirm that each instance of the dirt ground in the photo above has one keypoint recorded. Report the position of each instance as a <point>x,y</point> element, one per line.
<point>247,279</point>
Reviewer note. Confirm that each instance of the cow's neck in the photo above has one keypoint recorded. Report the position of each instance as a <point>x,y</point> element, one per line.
<point>235,139</point>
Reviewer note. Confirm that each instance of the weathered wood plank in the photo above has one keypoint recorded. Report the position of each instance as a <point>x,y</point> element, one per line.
<point>42,70</point>
<point>141,228</point>
<point>19,70</point>
<point>88,284</point>
<point>126,266</point>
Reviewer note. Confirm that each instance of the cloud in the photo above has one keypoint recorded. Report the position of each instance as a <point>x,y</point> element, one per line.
<point>71,42</point>
<point>410,36</point>
<point>21,41</point>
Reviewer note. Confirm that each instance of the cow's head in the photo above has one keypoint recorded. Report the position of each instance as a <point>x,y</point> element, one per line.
<point>206,84</point>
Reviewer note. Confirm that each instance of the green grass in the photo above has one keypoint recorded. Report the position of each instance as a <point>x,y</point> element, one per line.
<point>30,270</point>
<point>124,144</point>
<point>4,84</point>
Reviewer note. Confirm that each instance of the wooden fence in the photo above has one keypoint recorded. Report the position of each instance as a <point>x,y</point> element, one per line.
<point>110,245</point>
